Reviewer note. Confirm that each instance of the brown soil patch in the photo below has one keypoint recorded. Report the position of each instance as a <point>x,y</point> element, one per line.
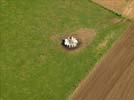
<point>113,77</point>
<point>124,7</point>
<point>129,10</point>
<point>85,36</point>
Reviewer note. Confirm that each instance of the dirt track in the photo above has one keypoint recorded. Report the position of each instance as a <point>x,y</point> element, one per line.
<point>113,77</point>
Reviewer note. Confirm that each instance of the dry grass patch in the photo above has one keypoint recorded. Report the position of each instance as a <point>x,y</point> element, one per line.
<point>104,43</point>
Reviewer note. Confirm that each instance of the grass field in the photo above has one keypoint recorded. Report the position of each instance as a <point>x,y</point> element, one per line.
<point>32,65</point>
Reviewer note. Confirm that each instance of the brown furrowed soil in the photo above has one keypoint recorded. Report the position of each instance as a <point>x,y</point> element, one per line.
<point>124,7</point>
<point>113,77</point>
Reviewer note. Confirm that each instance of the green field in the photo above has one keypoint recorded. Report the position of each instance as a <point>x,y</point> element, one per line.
<point>32,65</point>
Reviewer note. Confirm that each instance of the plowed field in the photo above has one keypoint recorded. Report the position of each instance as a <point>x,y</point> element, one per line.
<point>113,77</point>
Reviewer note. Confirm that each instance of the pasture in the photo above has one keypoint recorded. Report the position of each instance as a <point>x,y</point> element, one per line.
<point>33,65</point>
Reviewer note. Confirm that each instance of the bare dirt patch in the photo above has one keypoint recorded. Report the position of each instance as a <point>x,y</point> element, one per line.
<point>84,35</point>
<point>124,7</point>
<point>113,77</point>
<point>129,10</point>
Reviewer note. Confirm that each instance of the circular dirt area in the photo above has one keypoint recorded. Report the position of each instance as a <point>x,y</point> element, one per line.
<point>84,35</point>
